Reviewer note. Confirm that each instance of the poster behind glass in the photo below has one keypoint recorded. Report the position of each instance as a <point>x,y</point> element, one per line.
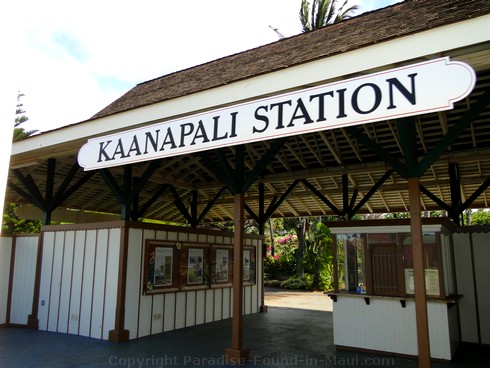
<point>195,266</point>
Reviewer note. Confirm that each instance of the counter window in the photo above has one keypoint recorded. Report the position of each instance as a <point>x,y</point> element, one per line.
<point>382,264</point>
<point>350,260</point>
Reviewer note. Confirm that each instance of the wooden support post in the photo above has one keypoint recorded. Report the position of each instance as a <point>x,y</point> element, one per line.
<point>263,219</point>
<point>119,334</point>
<point>236,353</point>
<point>419,273</point>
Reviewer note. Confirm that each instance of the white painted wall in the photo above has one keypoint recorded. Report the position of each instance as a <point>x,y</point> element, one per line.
<point>475,291</point>
<point>466,288</point>
<point>481,244</point>
<point>150,314</point>
<point>384,325</point>
<point>23,278</point>
<point>79,281</point>
<point>24,273</point>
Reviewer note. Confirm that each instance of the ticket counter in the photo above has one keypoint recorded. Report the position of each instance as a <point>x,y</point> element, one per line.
<point>374,305</point>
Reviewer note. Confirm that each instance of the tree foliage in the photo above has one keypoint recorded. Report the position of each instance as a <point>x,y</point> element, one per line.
<point>303,255</point>
<point>315,14</point>
<point>11,223</point>
<point>20,118</point>
<point>480,217</point>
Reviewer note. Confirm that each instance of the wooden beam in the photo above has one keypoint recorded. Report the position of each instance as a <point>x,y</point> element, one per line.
<point>463,123</point>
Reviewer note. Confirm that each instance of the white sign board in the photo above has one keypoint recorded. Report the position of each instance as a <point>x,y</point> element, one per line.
<point>416,89</point>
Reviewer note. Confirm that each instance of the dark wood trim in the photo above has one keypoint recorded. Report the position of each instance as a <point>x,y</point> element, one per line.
<point>335,265</point>
<point>386,354</point>
<point>475,287</point>
<point>61,282</point>
<point>368,269</point>
<point>11,280</point>
<point>32,319</point>
<point>442,289</point>
<point>51,283</point>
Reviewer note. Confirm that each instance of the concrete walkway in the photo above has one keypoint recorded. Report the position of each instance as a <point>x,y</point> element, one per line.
<point>283,337</point>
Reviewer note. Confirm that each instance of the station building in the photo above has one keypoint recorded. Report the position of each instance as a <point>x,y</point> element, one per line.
<point>385,112</point>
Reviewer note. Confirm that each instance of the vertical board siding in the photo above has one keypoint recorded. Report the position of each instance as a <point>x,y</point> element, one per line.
<point>180,309</point>
<point>226,303</point>
<point>190,318</point>
<point>111,276</point>
<point>133,282</point>
<point>169,312</point>
<point>254,302</point>
<point>440,341</point>
<point>23,279</point>
<point>5,255</point>
<point>209,314</point>
<point>99,284</point>
<point>87,283</point>
<point>66,278</point>
<point>247,299</point>
<point>55,292</point>
<point>145,302</point>
<point>200,307</point>
<point>385,326</point>
<point>464,277</point>
<point>218,304</point>
<point>157,314</point>
<point>481,245</point>
<point>76,283</point>
<point>79,280</point>
<point>45,287</point>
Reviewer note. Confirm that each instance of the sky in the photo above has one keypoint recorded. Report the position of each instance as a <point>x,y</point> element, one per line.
<point>71,59</point>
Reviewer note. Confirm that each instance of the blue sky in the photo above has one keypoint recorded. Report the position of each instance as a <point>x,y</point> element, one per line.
<point>71,59</point>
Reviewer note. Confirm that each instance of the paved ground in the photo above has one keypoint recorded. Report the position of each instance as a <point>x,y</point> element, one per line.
<point>291,336</point>
<point>298,299</point>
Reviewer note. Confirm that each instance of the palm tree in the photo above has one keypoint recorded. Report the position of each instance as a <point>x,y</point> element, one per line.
<point>323,12</point>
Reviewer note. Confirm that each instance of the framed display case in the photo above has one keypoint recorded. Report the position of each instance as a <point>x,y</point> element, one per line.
<point>160,266</point>
<point>173,266</point>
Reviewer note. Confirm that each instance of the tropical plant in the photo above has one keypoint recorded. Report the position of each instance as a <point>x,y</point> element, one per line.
<point>319,256</point>
<point>318,13</point>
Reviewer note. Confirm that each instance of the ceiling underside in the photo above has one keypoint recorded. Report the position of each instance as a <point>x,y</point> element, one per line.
<point>319,158</point>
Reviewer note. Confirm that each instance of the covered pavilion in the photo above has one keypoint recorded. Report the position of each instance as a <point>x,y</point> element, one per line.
<point>428,159</point>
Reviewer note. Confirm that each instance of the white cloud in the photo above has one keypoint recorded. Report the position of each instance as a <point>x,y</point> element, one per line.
<point>74,58</point>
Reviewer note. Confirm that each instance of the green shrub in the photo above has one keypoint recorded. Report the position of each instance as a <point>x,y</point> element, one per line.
<point>296,283</point>
<point>273,283</point>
